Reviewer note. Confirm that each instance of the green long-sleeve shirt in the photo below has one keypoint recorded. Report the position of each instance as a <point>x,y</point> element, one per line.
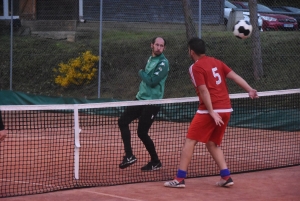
<point>153,78</point>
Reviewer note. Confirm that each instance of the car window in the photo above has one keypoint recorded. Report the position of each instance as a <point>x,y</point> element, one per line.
<point>279,9</point>
<point>227,4</point>
<point>295,10</point>
<point>263,8</point>
<point>238,5</point>
<point>260,7</point>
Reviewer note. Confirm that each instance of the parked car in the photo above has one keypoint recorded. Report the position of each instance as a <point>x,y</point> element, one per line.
<point>291,11</point>
<point>285,9</point>
<point>228,8</point>
<point>271,20</point>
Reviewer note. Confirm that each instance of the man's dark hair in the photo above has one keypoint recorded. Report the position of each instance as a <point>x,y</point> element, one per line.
<point>197,45</point>
<point>154,39</point>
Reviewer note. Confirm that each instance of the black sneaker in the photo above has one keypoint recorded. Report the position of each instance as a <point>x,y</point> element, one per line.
<point>225,183</point>
<point>175,184</point>
<point>127,161</point>
<point>151,166</point>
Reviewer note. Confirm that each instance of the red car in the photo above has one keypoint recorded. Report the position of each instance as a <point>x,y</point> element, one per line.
<point>271,20</point>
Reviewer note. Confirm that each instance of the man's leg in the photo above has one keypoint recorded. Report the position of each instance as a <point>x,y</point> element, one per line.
<point>3,132</point>
<point>187,154</point>
<point>199,131</point>
<point>126,118</point>
<point>185,159</point>
<point>217,153</point>
<point>145,121</point>
<point>219,158</point>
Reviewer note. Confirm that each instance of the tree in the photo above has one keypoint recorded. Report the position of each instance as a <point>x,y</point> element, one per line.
<point>188,19</point>
<point>256,44</point>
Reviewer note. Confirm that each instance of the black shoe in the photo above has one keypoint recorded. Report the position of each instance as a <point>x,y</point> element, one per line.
<point>225,183</point>
<point>175,184</point>
<point>151,166</point>
<point>127,161</point>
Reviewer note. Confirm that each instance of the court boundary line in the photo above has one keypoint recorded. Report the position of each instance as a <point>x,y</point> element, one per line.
<point>111,195</point>
<point>34,184</point>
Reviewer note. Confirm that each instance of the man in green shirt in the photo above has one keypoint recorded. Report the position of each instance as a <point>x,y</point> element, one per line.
<point>151,87</point>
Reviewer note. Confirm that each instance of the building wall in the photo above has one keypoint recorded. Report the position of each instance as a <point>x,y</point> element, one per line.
<point>57,9</point>
<point>27,9</point>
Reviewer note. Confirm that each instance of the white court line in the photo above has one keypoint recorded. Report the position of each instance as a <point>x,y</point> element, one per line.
<point>36,184</point>
<point>110,195</point>
<point>60,187</point>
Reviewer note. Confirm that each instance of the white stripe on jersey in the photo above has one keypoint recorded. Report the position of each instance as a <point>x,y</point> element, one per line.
<point>192,75</point>
<point>217,111</point>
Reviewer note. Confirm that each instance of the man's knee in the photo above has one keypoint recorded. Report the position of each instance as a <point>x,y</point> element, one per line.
<point>122,123</point>
<point>142,134</point>
<point>210,145</point>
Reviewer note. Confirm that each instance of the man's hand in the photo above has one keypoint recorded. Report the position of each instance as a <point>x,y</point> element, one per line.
<point>253,94</point>
<point>217,118</point>
<point>3,134</point>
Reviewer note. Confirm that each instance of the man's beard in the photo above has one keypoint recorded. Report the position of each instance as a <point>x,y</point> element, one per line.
<point>157,53</point>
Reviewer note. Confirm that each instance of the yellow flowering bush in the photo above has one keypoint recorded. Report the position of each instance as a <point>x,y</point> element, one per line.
<point>77,71</point>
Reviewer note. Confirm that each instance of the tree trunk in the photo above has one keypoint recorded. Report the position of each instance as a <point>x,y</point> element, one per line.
<point>188,18</point>
<point>256,44</point>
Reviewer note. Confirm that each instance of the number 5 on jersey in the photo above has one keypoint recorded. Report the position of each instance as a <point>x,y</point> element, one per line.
<point>216,75</point>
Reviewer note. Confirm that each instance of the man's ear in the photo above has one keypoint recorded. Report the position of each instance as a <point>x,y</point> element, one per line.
<point>193,53</point>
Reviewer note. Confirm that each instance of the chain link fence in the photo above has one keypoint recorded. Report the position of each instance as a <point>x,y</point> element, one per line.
<point>46,35</point>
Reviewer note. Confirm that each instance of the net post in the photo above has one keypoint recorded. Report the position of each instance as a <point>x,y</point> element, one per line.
<point>77,130</point>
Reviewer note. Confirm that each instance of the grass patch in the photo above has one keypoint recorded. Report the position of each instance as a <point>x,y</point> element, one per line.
<point>125,52</point>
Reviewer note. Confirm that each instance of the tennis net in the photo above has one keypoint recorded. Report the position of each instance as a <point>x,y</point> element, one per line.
<point>55,147</point>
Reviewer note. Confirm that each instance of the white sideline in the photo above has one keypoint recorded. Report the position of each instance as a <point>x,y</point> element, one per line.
<point>114,196</point>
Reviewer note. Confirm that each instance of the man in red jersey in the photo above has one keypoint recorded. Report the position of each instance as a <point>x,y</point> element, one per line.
<point>209,123</point>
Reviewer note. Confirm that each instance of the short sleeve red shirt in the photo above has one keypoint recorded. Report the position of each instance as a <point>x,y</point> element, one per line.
<point>212,73</point>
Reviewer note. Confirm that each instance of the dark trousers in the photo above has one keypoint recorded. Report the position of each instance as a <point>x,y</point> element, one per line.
<point>146,115</point>
<point>1,122</point>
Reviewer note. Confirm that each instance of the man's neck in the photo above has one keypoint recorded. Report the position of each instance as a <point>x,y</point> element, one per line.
<point>197,57</point>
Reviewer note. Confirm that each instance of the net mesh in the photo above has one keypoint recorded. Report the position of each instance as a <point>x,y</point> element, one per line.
<point>54,147</point>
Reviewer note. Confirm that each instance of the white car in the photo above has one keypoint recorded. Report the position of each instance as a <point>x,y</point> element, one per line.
<point>228,8</point>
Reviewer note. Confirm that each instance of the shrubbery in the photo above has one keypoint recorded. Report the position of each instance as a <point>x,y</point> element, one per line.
<point>77,71</point>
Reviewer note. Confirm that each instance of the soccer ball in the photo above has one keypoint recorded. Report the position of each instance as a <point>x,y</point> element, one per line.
<point>242,29</point>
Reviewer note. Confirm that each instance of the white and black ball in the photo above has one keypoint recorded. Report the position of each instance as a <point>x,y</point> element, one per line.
<point>242,29</point>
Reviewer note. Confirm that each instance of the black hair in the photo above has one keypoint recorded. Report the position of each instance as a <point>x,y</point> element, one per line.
<point>197,45</point>
<point>154,39</point>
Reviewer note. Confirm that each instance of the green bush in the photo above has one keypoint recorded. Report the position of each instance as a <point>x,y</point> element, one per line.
<point>78,71</point>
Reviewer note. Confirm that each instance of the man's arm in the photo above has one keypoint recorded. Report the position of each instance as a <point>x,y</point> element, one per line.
<point>243,84</point>
<point>161,71</point>
<point>205,98</point>
<point>3,132</point>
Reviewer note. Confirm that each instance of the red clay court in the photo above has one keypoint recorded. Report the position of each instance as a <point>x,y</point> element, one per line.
<point>72,152</point>
<point>268,185</point>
